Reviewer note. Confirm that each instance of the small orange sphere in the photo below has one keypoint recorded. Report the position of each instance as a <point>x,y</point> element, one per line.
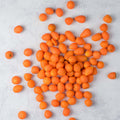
<point>48,114</point>
<point>70,4</point>
<point>59,96</point>
<point>44,87</point>
<point>93,61</point>
<point>43,105</point>
<point>37,90</point>
<point>68,20</point>
<point>49,11</point>
<point>111,48</point>
<point>87,95</point>
<point>72,101</point>
<point>61,71</point>
<point>68,86</point>
<point>39,97</point>
<point>51,27</point>
<point>66,111</point>
<point>18,29</point>
<point>26,63</point>
<point>35,69</point>
<point>55,103</point>
<point>70,93</point>
<point>44,46</point>
<point>80,19</point>
<point>79,95</point>
<point>17,88</point>
<point>96,54</point>
<point>103,51</point>
<point>16,80</point>
<point>85,85</point>
<point>72,118</point>
<point>88,102</point>
<point>112,75</point>
<point>43,17</point>
<point>27,76</point>
<point>28,52</point>
<point>59,12</point>
<point>9,54</point>
<point>31,83</point>
<point>41,74</point>
<point>64,104</point>
<point>100,64</point>
<point>53,88</point>
<point>107,19</point>
<point>22,115</point>
<point>104,27</point>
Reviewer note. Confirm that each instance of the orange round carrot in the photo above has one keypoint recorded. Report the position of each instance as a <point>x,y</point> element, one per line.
<point>18,29</point>
<point>9,54</point>
<point>43,17</point>
<point>80,19</point>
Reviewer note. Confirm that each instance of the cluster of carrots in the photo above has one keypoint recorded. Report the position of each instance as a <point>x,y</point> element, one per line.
<point>66,69</point>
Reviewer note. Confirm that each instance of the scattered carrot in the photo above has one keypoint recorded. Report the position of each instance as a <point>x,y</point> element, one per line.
<point>28,52</point>
<point>49,11</point>
<point>17,88</point>
<point>96,54</point>
<point>55,103</point>
<point>80,19</point>
<point>85,33</point>
<point>87,95</point>
<point>46,36</point>
<point>43,105</point>
<point>37,90</point>
<point>107,19</point>
<point>103,51</point>
<point>72,118</point>
<point>27,76</point>
<point>70,36</point>
<point>72,101</point>
<point>100,64</point>
<point>43,46</point>
<point>112,75</point>
<point>68,20</point>
<point>18,29</point>
<point>70,4</point>
<point>16,80</point>
<point>111,48</point>
<point>22,115</point>
<point>79,95</point>
<point>64,104</point>
<point>105,35</point>
<point>48,114</point>
<point>43,17</point>
<point>80,41</point>
<point>51,27</point>
<point>39,98</point>
<point>31,83</point>
<point>59,12</point>
<point>35,69</point>
<point>104,44</point>
<point>66,111</point>
<point>104,27</point>
<point>96,37</point>
<point>26,63</point>
<point>62,38</point>
<point>9,54</point>
<point>88,102</point>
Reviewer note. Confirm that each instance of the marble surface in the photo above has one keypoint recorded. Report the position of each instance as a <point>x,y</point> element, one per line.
<point>106,93</point>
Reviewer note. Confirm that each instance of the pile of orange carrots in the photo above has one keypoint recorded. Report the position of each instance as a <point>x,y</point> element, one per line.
<point>66,69</point>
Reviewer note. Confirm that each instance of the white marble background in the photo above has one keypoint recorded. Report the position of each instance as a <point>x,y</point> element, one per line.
<point>106,93</point>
